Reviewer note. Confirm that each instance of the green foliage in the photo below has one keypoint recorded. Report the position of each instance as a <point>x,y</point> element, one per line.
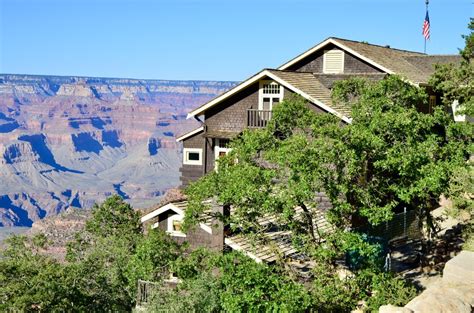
<point>455,81</point>
<point>29,281</point>
<point>200,294</point>
<point>384,289</point>
<point>114,217</point>
<point>390,156</point>
<point>152,258</point>
<point>103,265</point>
<point>231,283</point>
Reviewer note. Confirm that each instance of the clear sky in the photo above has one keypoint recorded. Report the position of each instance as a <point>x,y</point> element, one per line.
<point>207,39</point>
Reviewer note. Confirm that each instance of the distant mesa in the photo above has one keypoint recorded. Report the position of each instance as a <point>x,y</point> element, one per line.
<point>78,90</point>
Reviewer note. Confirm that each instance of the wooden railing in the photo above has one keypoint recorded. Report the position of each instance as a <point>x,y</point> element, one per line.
<point>145,292</point>
<point>258,118</point>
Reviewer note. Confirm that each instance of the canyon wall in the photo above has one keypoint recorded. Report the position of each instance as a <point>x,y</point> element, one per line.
<point>72,141</point>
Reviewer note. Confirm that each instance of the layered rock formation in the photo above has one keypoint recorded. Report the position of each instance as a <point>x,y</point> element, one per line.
<point>72,141</point>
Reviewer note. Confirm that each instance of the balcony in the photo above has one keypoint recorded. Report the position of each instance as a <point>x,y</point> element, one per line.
<point>258,118</point>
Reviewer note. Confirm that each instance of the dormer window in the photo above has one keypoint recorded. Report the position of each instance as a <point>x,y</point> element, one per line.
<point>333,61</point>
<point>270,94</point>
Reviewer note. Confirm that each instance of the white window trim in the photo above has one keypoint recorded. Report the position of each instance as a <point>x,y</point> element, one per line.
<point>218,149</point>
<point>186,161</point>
<point>341,69</point>
<point>261,95</point>
<point>170,231</point>
<point>456,107</point>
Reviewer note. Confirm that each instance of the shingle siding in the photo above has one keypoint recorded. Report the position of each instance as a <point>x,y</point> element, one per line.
<point>191,173</point>
<point>314,64</point>
<point>231,114</point>
<point>196,237</point>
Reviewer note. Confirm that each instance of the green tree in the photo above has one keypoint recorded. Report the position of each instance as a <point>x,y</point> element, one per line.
<point>102,267</point>
<point>114,217</point>
<point>231,283</point>
<point>455,80</point>
<point>390,156</point>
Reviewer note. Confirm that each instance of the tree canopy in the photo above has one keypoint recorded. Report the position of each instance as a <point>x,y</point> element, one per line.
<point>390,156</point>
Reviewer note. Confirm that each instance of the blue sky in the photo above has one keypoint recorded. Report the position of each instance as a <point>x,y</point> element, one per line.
<point>206,39</point>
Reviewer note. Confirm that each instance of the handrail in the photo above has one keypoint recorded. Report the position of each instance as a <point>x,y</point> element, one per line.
<point>258,118</point>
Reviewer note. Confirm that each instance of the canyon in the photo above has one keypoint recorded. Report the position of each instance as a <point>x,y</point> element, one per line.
<point>69,142</point>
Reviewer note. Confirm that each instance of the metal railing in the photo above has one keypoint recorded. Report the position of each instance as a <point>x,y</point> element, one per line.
<point>258,118</point>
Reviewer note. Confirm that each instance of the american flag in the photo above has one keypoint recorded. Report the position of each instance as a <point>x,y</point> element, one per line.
<point>426,27</point>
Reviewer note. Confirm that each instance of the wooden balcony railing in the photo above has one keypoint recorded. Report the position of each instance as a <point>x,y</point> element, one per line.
<point>258,118</point>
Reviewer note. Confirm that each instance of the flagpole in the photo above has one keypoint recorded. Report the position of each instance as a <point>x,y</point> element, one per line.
<point>427,2</point>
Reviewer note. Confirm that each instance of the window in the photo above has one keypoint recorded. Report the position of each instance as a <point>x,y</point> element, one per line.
<point>432,103</point>
<point>192,156</point>
<point>456,107</point>
<point>333,61</point>
<point>175,226</point>
<point>221,148</point>
<point>270,94</point>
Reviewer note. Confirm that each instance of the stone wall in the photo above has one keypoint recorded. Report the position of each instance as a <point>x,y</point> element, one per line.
<point>453,293</point>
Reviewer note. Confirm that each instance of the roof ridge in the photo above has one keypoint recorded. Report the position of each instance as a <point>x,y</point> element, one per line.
<point>288,71</point>
<point>377,45</point>
<point>349,74</point>
<point>435,55</point>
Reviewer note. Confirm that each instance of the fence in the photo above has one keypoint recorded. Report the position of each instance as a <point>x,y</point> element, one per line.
<point>405,225</point>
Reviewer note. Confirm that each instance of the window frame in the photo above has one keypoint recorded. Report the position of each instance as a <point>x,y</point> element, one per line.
<point>341,69</point>
<point>186,159</point>
<point>170,230</point>
<point>262,95</point>
<point>432,99</point>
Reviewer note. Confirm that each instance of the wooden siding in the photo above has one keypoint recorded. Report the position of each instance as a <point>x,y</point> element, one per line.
<point>197,237</point>
<point>314,63</point>
<point>191,173</point>
<point>231,114</point>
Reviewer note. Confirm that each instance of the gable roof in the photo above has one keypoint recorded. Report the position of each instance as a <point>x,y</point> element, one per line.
<point>179,207</point>
<point>302,83</point>
<point>416,67</point>
<point>309,86</point>
<point>274,242</point>
<point>190,133</point>
<point>385,58</point>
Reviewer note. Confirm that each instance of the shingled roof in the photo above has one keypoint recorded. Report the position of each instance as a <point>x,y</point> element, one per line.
<point>310,84</point>
<point>274,241</point>
<point>415,66</point>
